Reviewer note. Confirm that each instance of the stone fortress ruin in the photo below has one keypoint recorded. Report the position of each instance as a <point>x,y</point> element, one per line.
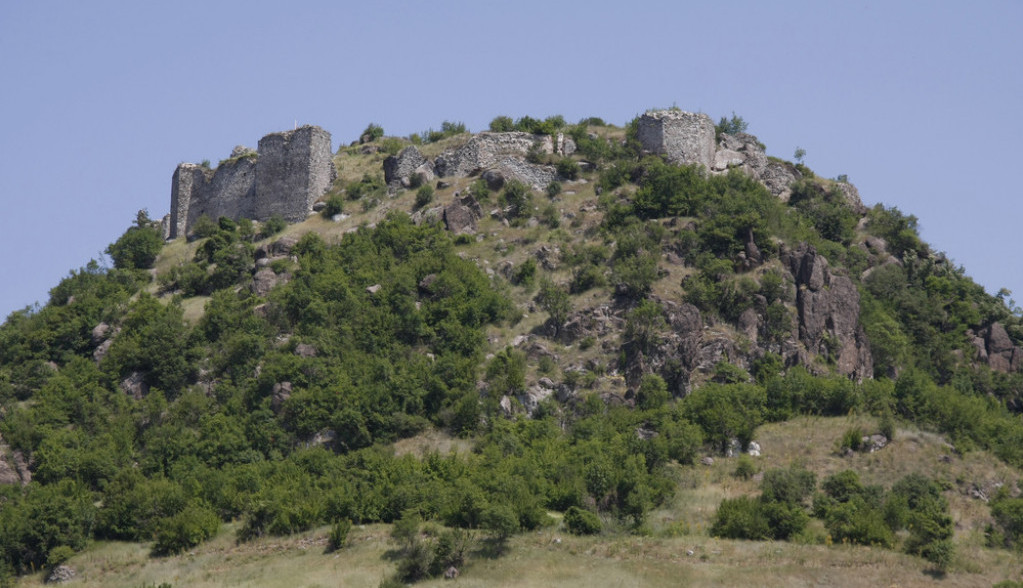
<point>291,170</point>
<point>285,175</point>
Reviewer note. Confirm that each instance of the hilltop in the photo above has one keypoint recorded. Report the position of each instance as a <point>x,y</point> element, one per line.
<point>474,347</point>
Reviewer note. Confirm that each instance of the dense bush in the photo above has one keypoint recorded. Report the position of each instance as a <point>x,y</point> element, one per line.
<point>188,528</point>
<point>335,205</point>
<point>581,522</point>
<point>138,247</point>
<point>424,195</point>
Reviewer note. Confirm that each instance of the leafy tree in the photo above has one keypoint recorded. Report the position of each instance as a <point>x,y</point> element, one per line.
<point>502,124</point>
<point>554,299</point>
<point>137,248</point>
<point>727,412</point>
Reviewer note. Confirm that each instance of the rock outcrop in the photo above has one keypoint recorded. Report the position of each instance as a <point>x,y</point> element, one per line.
<point>996,349</point>
<point>13,466</point>
<point>829,313</point>
<point>284,176</point>
<point>462,215</point>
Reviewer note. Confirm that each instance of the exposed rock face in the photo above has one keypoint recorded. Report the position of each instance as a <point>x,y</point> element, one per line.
<point>682,137</point>
<point>264,281</point>
<point>744,151</point>
<point>740,150</point>
<point>61,574</point>
<point>995,348</point>
<point>281,393</point>
<point>462,215</point>
<point>135,385</point>
<point>99,333</point>
<point>287,174</point>
<point>829,313</point>
<point>13,467</point>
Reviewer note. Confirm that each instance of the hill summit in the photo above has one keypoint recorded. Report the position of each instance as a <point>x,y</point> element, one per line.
<point>412,350</point>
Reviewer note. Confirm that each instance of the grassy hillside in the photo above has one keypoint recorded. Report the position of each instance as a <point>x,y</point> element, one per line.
<point>572,392</point>
<point>676,546</point>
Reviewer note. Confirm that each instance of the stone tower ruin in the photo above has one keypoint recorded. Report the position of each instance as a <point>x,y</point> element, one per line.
<point>288,172</point>
<point>682,137</point>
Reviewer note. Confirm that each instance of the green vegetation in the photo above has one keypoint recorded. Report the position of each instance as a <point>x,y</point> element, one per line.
<point>731,126</point>
<point>568,394</point>
<point>138,246</point>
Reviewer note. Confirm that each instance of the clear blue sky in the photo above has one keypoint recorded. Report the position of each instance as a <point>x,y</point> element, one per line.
<point>919,103</point>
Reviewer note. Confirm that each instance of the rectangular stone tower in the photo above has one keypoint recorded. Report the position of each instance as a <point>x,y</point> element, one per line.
<point>294,169</point>
<point>682,137</point>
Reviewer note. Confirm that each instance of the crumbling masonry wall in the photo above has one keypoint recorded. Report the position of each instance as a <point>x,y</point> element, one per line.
<point>287,174</point>
<point>682,137</point>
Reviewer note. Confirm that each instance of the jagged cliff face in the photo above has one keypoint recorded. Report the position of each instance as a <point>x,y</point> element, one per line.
<point>285,176</point>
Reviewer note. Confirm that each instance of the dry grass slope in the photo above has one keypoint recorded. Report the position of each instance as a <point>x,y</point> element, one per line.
<point>677,551</point>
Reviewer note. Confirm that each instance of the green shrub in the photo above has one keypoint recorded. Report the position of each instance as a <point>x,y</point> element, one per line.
<point>587,277</point>
<point>59,555</point>
<point>568,169</point>
<point>335,205</point>
<point>195,524</point>
<point>852,439</point>
<point>740,518</point>
<point>373,132</point>
<point>137,248</point>
<point>391,145</point>
<point>732,126</point>
<point>859,522</point>
<point>502,124</point>
<point>582,522</point>
<point>553,189</point>
<point>369,186</point>
<point>525,273</point>
<point>517,199</point>
<point>273,225</point>
<point>791,485</point>
<point>480,190</point>
<point>424,195</point>
<point>550,216</point>
<point>744,467</point>
<point>653,392</point>
<point>338,536</point>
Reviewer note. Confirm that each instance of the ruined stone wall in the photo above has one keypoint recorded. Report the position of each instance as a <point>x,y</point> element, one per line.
<point>286,176</point>
<point>187,185</point>
<point>228,192</point>
<point>683,137</point>
<point>294,169</point>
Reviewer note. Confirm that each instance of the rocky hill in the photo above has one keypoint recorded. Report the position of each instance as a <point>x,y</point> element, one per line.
<point>596,311</point>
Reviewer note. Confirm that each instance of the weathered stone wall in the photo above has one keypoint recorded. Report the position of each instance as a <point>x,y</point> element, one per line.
<point>227,192</point>
<point>187,185</point>
<point>294,168</point>
<point>286,176</point>
<point>682,137</point>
